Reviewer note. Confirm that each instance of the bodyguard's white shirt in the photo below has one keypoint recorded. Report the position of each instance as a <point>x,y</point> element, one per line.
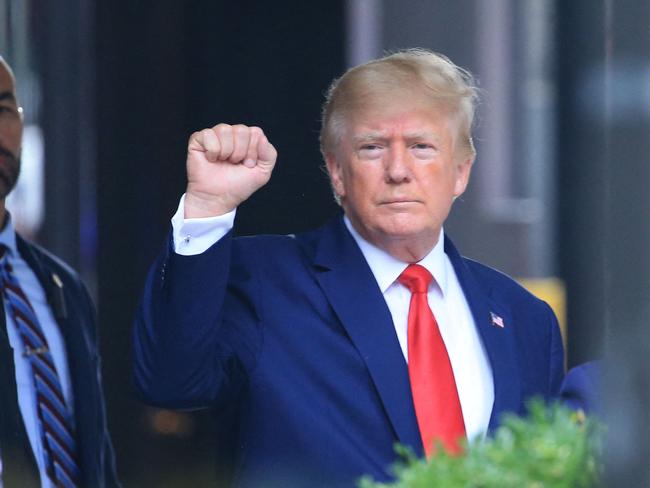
<point>468,358</point>
<point>24,378</point>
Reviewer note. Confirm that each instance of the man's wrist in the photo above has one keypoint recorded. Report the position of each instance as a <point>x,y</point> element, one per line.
<point>197,206</point>
<point>195,235</point>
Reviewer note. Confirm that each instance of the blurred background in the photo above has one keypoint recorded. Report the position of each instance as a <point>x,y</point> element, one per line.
<point>559,197</point>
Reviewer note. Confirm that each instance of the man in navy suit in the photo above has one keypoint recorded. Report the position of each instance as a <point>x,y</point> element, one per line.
<point>322,350</point>
<point>49,364</point>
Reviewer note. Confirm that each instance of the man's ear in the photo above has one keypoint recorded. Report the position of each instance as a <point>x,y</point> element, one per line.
<point>335,171</point>
<point>463,171</point>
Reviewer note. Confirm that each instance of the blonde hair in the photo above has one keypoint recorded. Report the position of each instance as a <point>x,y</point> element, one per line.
<point>411,71</point>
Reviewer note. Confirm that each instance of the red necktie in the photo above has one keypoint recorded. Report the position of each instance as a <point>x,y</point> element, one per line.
<point>435,396</point>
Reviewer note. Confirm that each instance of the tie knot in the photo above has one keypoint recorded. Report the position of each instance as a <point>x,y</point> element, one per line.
<point>416,278</point>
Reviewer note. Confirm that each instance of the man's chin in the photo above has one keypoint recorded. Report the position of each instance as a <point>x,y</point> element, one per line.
<point>404,224</point>
<point>8,178</point>
<point>407,231</point>
<point>6,186</point>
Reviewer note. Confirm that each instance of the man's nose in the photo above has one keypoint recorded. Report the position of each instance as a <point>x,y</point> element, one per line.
<point>397,166</point>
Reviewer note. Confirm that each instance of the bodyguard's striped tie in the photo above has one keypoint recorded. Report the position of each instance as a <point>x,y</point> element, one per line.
<point>55,419</point>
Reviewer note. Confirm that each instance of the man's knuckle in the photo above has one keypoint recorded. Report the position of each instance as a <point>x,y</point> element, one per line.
<point>221,129</point>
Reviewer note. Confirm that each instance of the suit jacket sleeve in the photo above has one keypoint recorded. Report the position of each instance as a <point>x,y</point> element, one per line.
<point>186,354</point>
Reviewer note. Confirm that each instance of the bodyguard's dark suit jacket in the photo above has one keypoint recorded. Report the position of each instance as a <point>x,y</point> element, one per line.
<point>293,335</point>
<point>75,315</point>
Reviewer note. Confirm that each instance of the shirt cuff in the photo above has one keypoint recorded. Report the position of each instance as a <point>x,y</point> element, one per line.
<point>194,236</point>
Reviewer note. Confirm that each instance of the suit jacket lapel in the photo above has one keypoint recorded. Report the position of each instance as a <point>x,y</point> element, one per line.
<point>352,290</point>
<point>499,341</point>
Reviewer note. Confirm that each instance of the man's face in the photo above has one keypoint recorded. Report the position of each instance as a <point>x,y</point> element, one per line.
<point>397,170</point>
<point>11,132</point>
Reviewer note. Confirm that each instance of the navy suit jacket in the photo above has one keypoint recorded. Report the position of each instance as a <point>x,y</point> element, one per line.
<point>581,388</point>
<point>75,315</point>
<point>292,336</point>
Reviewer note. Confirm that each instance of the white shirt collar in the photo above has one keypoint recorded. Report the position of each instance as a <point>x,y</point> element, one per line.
<point>387,269</point>
<point>8,236</point>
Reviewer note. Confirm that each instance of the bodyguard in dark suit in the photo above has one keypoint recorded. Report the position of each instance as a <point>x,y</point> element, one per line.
<point>323,349</point>
<point>53,429</point>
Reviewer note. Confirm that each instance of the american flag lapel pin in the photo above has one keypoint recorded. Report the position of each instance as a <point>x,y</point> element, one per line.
<point>496,320</point>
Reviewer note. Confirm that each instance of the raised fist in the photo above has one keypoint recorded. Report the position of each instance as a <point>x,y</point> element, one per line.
<point>225,165</point>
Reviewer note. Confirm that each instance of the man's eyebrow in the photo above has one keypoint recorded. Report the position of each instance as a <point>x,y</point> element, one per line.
<point>369,136</point>
<point>7,95</point>
<point>421,135</point>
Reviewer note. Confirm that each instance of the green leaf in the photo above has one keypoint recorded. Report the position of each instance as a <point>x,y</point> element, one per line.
<point>552,446</point>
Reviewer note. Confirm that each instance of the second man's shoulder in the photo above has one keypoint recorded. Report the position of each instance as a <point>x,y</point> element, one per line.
<point>45,261</point>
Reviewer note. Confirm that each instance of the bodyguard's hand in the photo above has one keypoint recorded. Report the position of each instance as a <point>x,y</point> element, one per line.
<point>225,165</point>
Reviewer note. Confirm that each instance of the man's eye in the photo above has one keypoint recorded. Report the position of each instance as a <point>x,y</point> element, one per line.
<point>423,150</point>
<point>370,151</point>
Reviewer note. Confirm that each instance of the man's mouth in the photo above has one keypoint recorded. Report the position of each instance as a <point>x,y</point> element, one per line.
<point>399,201</point>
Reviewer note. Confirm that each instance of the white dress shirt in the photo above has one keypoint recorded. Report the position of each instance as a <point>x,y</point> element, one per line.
<point>468,357</point>
<point>24,378</point>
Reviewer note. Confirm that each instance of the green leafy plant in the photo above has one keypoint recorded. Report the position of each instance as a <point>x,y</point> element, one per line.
<point>553,446</point>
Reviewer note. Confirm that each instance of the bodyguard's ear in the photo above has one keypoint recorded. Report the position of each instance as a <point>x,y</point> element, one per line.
<point>336,177</point>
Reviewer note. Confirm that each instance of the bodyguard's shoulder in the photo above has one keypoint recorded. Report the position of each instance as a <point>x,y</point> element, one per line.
<point>48,260</point>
